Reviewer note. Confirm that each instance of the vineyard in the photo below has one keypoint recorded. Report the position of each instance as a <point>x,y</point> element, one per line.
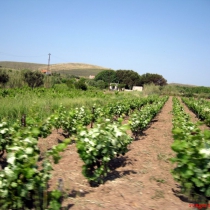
<point>113,151</point>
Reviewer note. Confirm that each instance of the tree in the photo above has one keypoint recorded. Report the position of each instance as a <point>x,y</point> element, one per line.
<point>153,78</point>
<point>81,84</point>
<point>70,83</point>
<point>33,78</point>
<point>107,76</point>
<point>101,84</point>
<point>4,78</point>
<point>128,77</point>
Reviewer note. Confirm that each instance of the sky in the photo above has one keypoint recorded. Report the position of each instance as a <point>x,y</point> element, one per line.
<point>166,37</point>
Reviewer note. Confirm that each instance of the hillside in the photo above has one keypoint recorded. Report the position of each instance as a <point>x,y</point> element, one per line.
<point>183,85</point>
<point>20,65</point>
<point>78,69</point>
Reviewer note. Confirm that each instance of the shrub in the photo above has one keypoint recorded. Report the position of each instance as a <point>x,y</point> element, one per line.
<point>34,78</point>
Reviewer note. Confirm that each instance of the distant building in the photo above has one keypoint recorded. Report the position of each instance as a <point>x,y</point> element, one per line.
<point>113,86</point>
<point>91,77</point>
<point>138,88</point>
<point>44,71</point>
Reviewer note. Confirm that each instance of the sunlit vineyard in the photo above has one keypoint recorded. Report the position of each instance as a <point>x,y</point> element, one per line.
<point>101,125</point>
<point>97,130</point>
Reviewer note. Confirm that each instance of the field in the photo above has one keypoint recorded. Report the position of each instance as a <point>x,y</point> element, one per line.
<point>140,180</point>
<point>131,135</point>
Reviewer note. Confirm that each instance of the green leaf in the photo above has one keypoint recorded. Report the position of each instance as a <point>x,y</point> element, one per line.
<point>207,193</point>
<point>14,184</point>
<point>178,146</point>
<point>61,147</point>
<point>198,182</point>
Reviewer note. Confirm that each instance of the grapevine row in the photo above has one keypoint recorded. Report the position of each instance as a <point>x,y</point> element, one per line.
<point>192,154</point>
<point>107,140</point>
<point>200,107</point>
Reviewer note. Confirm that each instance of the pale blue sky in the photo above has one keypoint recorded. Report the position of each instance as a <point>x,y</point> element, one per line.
<point>167,37</point>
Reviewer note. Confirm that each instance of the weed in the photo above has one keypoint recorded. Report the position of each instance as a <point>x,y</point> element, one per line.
<point>163,157</point>
<point>158,194</point>
<point>159,180</point>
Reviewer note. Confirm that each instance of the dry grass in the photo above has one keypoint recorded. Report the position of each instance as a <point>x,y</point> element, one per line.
<point>78,69</point>
<point>69,66</point>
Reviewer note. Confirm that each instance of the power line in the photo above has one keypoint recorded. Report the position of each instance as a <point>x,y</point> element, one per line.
<point>21,55</point>
<point>61,58</point>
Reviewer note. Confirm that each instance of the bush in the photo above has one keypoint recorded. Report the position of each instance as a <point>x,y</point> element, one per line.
<point>150,89</point>
<point>70,83</point>
<point>4,78</point>
<point>80,85</point>
<point>33,78</point>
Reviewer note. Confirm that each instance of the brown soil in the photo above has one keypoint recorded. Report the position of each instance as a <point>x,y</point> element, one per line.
<point>139,180</point>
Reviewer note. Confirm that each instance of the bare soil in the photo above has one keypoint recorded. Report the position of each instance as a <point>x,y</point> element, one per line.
<point>139,180</point>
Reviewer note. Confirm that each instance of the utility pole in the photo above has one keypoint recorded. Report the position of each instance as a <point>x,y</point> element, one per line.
<point>49,63</point>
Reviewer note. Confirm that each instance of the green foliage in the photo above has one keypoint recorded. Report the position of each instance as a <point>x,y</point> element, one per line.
<point>107,76</point>
<point>151,89</point>
<point>139,120</point>
<point>121,86</point>
<point>169,90</point>
<point>80,84</point>
<point>193,153</point>
<point>4,78</point>
<point>153,78</point>
<point>70,121</point>
<point>128,77</point>
<point>100,84</point>
<point>193,90</point>
<point>99,145</point>
<point>200,107</point>
<point>22,185</point>
<point>61,88</point>
<point>34,78</point>
<point>70,83</point>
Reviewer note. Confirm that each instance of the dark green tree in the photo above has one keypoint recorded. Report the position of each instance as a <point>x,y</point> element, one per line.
<point>153,78</point>
<point>101,84</point>
<point>33,78</point>
<point>4,78</point>
<point>91,82</point>
<point>81,84</point>
<point>107,76</point>
<point>70,83</point>
<point>128,77</point>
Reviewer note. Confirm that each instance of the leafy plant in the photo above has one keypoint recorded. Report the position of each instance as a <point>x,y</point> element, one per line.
<point>22,184</point>
<point>33,78</point>
<point>99,145</point>
<point>193,154</point>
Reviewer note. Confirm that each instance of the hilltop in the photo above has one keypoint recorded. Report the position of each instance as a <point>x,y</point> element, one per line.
<point>183,85</point>
<point>78,69</point>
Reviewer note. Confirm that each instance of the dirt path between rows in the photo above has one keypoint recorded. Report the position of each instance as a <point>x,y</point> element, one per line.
<point>140,180</point>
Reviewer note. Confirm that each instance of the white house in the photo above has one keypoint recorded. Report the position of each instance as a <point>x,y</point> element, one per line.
<point>138,88</point>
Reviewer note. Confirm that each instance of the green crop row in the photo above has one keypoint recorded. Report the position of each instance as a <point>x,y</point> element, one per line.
<point>192,147</point>
<point>200,107</point>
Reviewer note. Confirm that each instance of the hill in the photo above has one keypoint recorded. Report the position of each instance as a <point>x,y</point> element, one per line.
<point>20,65</point>
<point>183,85</point>
<point>78,69</point>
